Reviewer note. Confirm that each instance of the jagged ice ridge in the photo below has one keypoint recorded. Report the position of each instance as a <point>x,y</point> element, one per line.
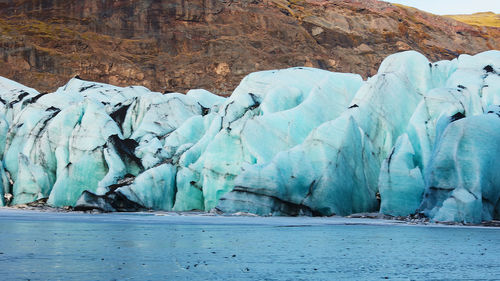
<point>416,137</point>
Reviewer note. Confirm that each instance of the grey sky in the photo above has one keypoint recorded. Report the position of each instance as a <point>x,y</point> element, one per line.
<point>450,7</point>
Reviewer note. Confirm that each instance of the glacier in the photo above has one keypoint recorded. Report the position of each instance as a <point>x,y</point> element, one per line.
<point>417,137</point>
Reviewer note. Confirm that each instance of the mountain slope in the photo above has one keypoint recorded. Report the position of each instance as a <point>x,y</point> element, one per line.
<point>175,45</point>
<point>480,19</point>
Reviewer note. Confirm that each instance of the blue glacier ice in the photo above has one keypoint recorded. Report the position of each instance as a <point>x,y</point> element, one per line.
<point>463,176</point>
<point>418,137</point>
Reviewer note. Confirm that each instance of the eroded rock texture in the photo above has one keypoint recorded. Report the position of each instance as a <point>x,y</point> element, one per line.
<point>173,45</point>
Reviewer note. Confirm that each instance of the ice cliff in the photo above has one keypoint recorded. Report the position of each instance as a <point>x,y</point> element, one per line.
<point>416,137</point>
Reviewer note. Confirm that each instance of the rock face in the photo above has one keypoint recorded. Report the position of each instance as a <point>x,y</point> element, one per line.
<point>423,136</point>
<point>173,45</point>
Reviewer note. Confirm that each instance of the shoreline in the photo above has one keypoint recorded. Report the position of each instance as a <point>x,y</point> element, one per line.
<point>211,218</point>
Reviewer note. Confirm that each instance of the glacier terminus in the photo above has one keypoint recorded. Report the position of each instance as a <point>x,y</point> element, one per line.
<point>417,137</point>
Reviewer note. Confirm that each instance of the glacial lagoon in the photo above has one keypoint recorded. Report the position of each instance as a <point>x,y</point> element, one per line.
<point>171,246</point>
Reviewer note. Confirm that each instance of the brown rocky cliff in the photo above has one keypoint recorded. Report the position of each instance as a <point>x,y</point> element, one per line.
<point>175,45</point>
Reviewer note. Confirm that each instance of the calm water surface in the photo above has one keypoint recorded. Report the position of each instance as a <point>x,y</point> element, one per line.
<point>60,246</point>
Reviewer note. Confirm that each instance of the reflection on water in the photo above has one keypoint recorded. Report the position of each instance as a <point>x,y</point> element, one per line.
<point>106,247</point>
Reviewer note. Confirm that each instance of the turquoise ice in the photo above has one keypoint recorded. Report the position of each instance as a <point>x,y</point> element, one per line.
<point>418,137</point>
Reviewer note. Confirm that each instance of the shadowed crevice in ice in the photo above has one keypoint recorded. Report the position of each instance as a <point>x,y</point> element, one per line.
<point>126,149</point>
<point>111,202</point>
<point>241,199</point>
<point>119,114</point>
